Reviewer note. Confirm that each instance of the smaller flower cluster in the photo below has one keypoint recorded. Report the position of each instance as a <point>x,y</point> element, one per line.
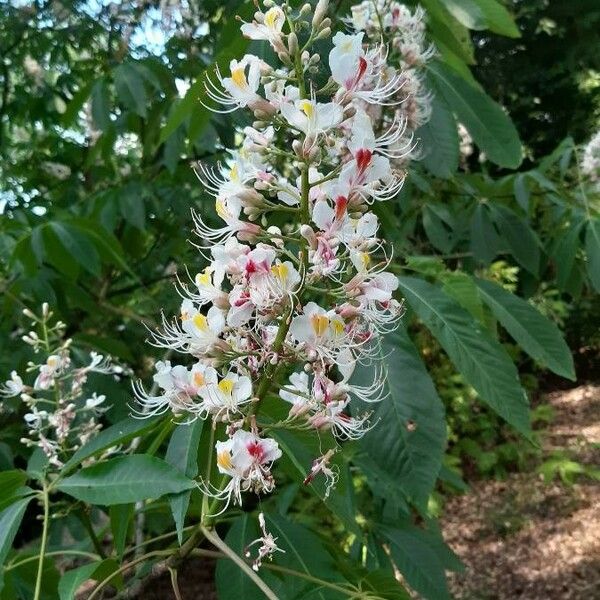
<point>403,30</point>
<point>590,162</point>
<point>61,417</point>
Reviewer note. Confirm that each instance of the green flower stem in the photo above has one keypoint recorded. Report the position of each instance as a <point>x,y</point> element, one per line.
<point>40,569</point>
<point>29,559</point>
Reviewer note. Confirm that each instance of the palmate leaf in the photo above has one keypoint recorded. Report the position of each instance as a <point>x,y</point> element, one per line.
<point>537,335</point>
<point>475,353</point>
<point>410,436</point>
<point>125,479</point>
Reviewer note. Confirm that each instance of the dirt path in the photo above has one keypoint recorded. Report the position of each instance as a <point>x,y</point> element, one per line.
<point>529,540</point>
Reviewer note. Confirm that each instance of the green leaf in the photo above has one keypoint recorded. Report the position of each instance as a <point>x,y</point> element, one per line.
<point>10,520</point>
<point>76,104</point>
<point>564,253</point>
<point>129,85</point>
<point>37,463</point>
<point>466,12</point>
<point>450,32</point>
<point>439,140</point>
<point>485,241</point>
<point>101,104</point>
<point>77,246</point>
<point>125,479</point>
<point>11,481</point>
<point>182,453</point>
<point>119,433</point>
<point>120,517</point>
<point>491,128</point>
<point>537,335</point>
<point>592,248</point>
<point>385,585</point>
<point>483,14</point>
<point>460,286</point>
<point>480,358</point>
<point>522,241</point>
<point>410,435</point>
<point>72,580</point>
<point>497,18</point>
<point>418,562</point>
<point>132,205</point>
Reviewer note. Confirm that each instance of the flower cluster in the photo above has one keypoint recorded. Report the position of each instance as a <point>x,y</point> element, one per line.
<point>296,292</point>
<point>392,23</point>
<point>61,417</point>
<point>590,162</point>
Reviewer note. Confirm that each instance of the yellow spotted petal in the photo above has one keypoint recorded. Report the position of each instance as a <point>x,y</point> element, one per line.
<point>226,386</point>
<point>203,278</point>
<point>280,271</point>
<point>272,18</point>
<point>200,322</point>
<point>224,459</point>
<point>238,76</point>
<point>319,323</point>
<point>307,108</point>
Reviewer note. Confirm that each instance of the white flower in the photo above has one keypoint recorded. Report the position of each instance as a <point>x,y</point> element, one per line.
<point>223,398</point>
<point>321,466</point>
<point>230,211</point>
<point>363,74</point>
<point>53,367</point>
<point>35,419</point>
<point>13,386</point>
<point>95,401</point>
<point>198,333</point>
<point>269,29</point>
<point>241,88</point>
<point>246,459</point>
<point>321,332</point>
<point>312,117</point>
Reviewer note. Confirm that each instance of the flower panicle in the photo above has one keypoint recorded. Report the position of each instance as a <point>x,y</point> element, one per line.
<point>297,286</point>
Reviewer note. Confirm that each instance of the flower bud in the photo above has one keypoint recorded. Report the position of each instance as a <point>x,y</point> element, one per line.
<point>326,23</point>
<point>307,233</point>
<point>292,43</point>
<point>305,57</point>
<point>306,8</point>
<point>320,12</point>
<point>29,314</point>
<point>324,33</point>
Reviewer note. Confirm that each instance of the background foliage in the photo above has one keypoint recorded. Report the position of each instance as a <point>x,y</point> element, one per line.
<point>496,251</point>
